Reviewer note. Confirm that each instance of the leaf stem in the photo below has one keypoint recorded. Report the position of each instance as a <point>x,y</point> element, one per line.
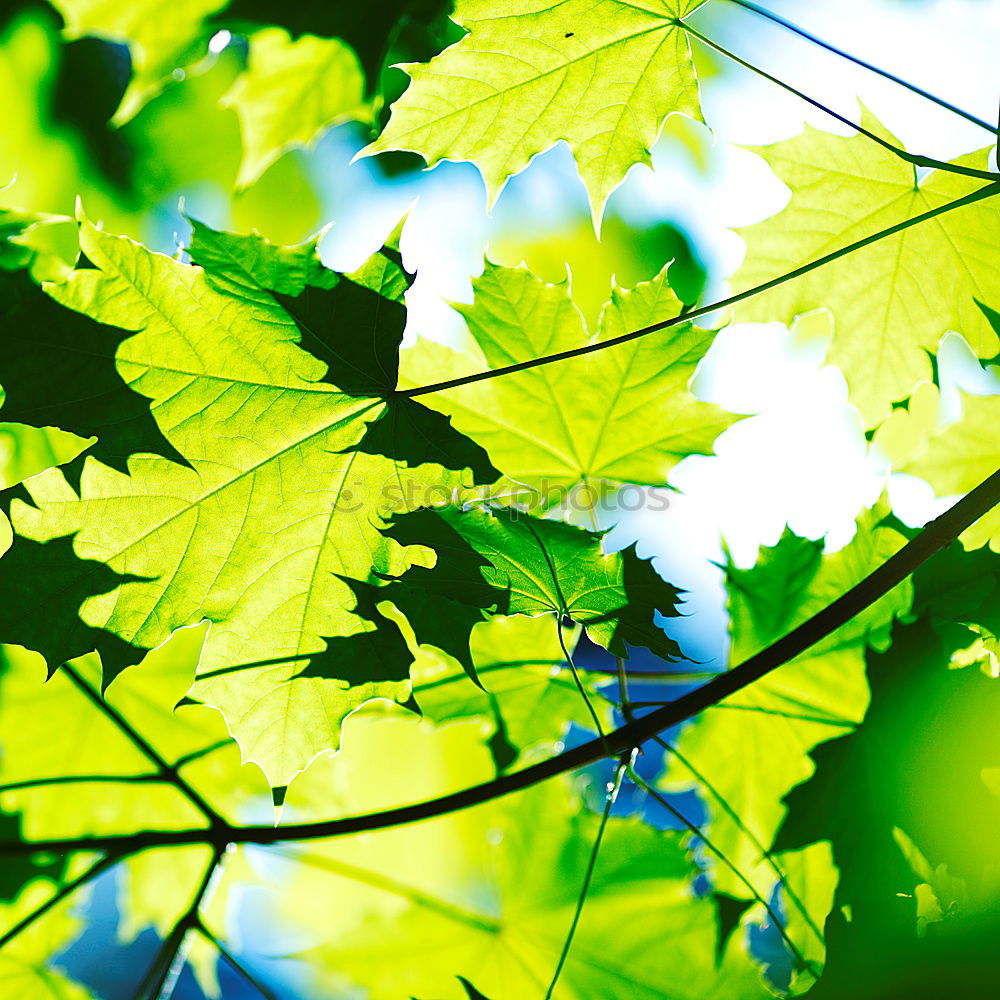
<point>987,191</point>
<point>625,704</point>
<point>934,536</point>
<point>871,67</point>
<point>576,678</point>
<point>162,976</point>
<point>234,962</point>
<point>741,824</point>
<point>695,829</point>
<point>609,801</point>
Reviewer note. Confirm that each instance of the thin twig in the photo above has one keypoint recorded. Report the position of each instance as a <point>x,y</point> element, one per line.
<point>650,675</point>
<point>60,894</point>
<point>167,771</point>
<point>162,976</point>
<point>576,679</point>
<point>83,779</point>
<point>264,990</point>
<point>626,705</point>
<point>913,158</point>
<point>766,855</point>
<point>987,191</point>
<point>871,67</point>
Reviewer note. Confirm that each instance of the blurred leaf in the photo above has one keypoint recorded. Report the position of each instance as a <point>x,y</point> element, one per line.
<point>26,962</point>
<point>369,36</point>
<point>290,93</point>
<point>488,894</point>
<point>905,787</point>
<point>162,35</point>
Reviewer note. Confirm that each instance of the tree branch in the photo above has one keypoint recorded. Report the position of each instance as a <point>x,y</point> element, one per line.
<point>987,191</point>
<point>167,772</point>
<point>60,894</point>
<point>936,535</point>
<point>158,982</point>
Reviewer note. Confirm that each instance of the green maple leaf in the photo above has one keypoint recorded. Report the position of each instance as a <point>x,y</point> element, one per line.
<point>510,563</point>
<point>234,537</point>
<point>323,308</point>
<point>893,300</point>
<point>603,76</point>
<point>621,415</point>
<point>955,456</point>
<point>750,750</point>
<point>526,697</point>
<point>290,93</point>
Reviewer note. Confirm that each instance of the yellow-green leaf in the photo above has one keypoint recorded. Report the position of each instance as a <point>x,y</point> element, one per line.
<point>601,75</point>
<point>893,300</point>
<point>620,415</point>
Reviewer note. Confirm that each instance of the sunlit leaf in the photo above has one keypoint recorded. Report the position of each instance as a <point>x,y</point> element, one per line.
<point>891,301</point>
<point>574,429</point>
<point>601,76</point>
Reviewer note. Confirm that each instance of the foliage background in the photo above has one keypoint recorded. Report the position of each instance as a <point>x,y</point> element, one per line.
<point>802,459</point>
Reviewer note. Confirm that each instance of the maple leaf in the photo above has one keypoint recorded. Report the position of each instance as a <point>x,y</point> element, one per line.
<point>510,563</point>
<point>621,415</point>
<point>229,537</point>
<point>893,300</point>
<point>953,456</point>
<point>603,76</point>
